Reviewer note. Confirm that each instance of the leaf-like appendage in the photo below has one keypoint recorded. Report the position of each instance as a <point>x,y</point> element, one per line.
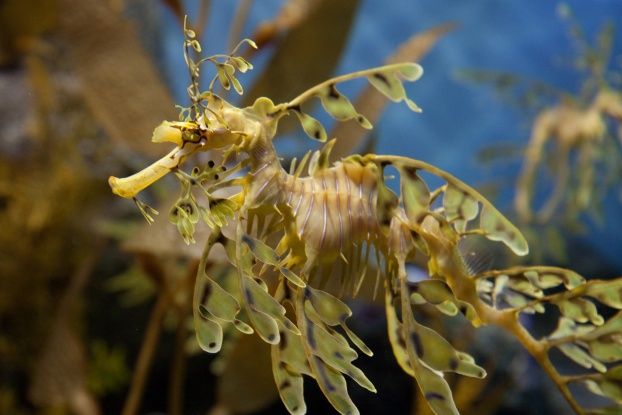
<point>387,79</point>
<point>605,342</point>
<point>328,353</point>
<point>439,294</point>
<point>439,354</point>
<point>214,308</point>
<point>460,207</point>
<point>607,292</point>
<point>583,335</point>
<point>261,251</point>
<point>333,349</point>
<point>334,386</point>
<point>292,353</point>
<point>415,194</point>
<point>497,228</point>
<point>225,72</point>
<point>209,334</point>
<point>289,382</point>
<point>589,345</point>
<point>432,384</point>
<point>334,312</point>
<point>540,277</point>
<point>372,102</point>
<point>292,277</point>
<point>525,288</point>
<point>460,203</point>
<point>185,214</point>
<point>264,312</point>
<point>436,391</point>
<point>422,352</point>
<point>219,213</point>
<point>340,107</point>
<point>267,255</point>
<point>240,63</point>
<point>396,335</point>
<point>331,310</point>
<point>218,302</point>
<point>581,357</point>
<point>579,310</point>
<point>608,384</point>
<point>311,126</point>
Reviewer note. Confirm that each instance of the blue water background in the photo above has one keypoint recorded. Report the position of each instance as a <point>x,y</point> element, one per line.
<point>459,119</point>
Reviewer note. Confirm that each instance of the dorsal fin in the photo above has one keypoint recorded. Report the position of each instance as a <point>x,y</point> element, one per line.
<point>476,259</point>
<point>302,164</point>
<point>324,157</point>
<point>320,160</point>
<point>313,163</point>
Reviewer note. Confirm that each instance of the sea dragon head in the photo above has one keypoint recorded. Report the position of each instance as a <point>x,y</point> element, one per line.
<point>209,123</point>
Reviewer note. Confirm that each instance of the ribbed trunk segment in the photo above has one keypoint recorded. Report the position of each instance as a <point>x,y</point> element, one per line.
<point>333,208</point>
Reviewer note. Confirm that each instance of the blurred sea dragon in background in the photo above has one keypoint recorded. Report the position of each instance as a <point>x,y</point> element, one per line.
<point>286,234</point>
<point>571,161</point>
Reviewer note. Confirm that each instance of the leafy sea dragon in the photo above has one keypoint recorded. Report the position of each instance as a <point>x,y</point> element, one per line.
<point>286,233</point>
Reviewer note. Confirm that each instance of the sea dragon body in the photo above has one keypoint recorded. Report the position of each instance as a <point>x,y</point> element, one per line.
<point>291,233</point>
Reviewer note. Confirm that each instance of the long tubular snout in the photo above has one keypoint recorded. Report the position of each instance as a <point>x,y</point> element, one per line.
<point>130,186</point>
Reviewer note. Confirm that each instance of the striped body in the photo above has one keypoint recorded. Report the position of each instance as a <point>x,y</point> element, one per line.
<point>333,208</point>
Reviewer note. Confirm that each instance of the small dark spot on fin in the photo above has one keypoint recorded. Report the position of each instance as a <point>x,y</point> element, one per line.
<point>417,343</point>
<point>311,337</point>
<point>434,395</point>
<point>248,241</point>
<point>249,297</point>
<point>379,76</point>
<point>206,293</point>
<point>411,172</point>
